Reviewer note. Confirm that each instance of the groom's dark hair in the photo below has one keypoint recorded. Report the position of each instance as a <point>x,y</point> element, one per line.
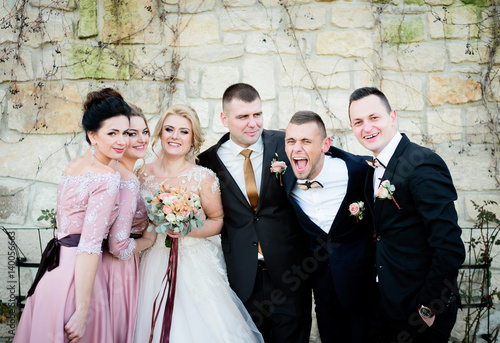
<point>361,93</point>
<point>240,91</point>
<point>304,117</point>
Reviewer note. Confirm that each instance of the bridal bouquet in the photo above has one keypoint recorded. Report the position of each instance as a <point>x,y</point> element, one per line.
<point>174,209</point>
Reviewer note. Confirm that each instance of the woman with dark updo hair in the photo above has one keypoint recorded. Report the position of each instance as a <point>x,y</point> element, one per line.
<point>68,301</point>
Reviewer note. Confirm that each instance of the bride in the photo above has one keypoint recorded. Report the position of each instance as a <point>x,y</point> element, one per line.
<point>205,308</point>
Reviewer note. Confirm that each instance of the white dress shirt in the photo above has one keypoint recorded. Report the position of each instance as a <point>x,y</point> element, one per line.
<point>384,157</point>
<point>229,153</point>
<point>322,204</point>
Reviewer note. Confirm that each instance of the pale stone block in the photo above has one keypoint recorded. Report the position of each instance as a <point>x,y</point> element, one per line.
<point>410,125</point>
<point>444,125</point>
<point>327,73</point>
<point>232,38</point>
<point>477,125</point>
<point>341,43</point>
<point>132,22</point>
<point>179,96</point>
<point>239,3</point>
<point>354,147</point>
<point>248,20</point>
<point>215,53</point>
<point>45,199</point>
<point>453,22</point>
<point>308,18</point>
<point>332,108</point>
<point>145,95</point>
<point>40,158</point>
<point>215,80</point>
<point>495,85</point>
<point>465,52</point>
<point>278,3</point>
<point>16,66</point>
<point>151,63</point>
<point>404,92</point>
<point>188,6</point>
<point>269,113</point>
<point>193,30</point>
<point>202,109</point>
<point>217,125</point>
<point>259,72</point>
<point>365,73</point>
<point>3,98</point>
<point>352,15</point>
<point>193,82</point>
<point>66,5</point>
<point>414,57</point>
<point>470,167</point>
<point>47,109</point>
<point>263,43</point>
<point>470,211</point>
<point>46,26</point>
<point>291,101</point>
<point>14,198</point>
<point>403,31</point>
<point>453,90</point>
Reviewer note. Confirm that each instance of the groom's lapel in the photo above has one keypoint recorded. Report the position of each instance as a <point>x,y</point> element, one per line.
<point>269,143</point>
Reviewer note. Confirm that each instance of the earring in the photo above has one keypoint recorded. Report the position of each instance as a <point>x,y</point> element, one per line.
<point>92,154</point>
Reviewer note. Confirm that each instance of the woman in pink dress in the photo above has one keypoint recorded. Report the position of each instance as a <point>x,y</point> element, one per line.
<point>127,237</point>
<point>68,301</point>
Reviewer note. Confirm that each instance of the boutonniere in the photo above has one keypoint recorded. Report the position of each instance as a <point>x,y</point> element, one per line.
<point>278,167</point>
<point>357,209</point>
<point>386,190</point>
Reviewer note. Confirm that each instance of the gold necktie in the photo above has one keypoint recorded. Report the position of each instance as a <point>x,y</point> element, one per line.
<point>250,185</point>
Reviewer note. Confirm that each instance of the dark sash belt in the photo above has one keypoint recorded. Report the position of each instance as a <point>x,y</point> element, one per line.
<point>50,256</point>
<point>135,235</point>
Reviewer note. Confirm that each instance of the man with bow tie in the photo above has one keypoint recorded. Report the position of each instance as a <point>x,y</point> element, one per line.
<point>324,183</point>
<point>410,194</point>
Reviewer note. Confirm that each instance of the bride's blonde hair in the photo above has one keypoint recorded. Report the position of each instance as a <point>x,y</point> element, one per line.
<point>190,114</point>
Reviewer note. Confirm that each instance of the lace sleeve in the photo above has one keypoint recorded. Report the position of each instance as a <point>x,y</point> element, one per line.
<point>120,243</point>
<point>102,209</point>
<point>210,194</point>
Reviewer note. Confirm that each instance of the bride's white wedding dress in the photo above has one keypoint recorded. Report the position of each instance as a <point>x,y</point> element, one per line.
<point>205,308</point>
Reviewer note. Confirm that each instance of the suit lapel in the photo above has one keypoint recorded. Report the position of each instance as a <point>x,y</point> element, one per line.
<point>389,173</point>
<point>269,143</point>
<point>225,178</point>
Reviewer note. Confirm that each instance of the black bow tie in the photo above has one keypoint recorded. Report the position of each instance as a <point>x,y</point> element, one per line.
<point>375,163</point>
<point>309,184</point>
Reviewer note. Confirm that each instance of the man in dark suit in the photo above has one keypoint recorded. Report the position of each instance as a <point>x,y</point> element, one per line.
<point>330,182</point>
<point>419,250</point>
<point>262,242</point>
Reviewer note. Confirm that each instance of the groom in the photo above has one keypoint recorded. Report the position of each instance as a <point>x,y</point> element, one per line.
<point>410,192</point>
<point>326,198</point>
<point>262,242</point>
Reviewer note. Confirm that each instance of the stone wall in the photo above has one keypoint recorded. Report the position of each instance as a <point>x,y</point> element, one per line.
<point>431,58</point>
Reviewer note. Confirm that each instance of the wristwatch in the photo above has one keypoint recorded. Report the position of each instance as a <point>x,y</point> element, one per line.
<point>425,312</point>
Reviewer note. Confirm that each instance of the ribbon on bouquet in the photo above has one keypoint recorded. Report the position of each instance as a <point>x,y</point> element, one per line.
<point>171,276</point>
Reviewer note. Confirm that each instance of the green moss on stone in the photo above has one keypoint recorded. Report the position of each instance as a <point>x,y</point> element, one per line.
<point>92,62</point>
<point>478,3</point>
<point>408,31</point>
<point>87,26</point>
<point>415,2</point>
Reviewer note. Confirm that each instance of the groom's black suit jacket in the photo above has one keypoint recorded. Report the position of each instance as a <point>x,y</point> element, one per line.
<point>419,249</point>
<point>274,224</point>
<point>345,253</point>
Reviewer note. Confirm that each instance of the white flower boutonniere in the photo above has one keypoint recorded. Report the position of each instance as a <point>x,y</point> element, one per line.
<point>278,167</point>
<point>386,190</point>
<point>357,209</point>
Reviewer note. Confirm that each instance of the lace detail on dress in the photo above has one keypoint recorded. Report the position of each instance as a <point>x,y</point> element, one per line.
<point>88,247</point>
<point>126,254</point>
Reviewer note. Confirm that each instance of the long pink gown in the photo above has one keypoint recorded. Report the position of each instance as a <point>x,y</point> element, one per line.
<point>121,266</point>
<point>87,205</point>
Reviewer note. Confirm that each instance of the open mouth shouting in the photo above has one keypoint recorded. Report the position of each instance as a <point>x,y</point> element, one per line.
<point>300,164</point>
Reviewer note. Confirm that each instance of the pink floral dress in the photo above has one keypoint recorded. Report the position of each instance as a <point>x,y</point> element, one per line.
<point>121,266</point>
<point>87,205</point>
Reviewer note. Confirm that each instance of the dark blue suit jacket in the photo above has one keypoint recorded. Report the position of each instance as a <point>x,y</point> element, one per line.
<point>345,253</point>
<point>419,249</point>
